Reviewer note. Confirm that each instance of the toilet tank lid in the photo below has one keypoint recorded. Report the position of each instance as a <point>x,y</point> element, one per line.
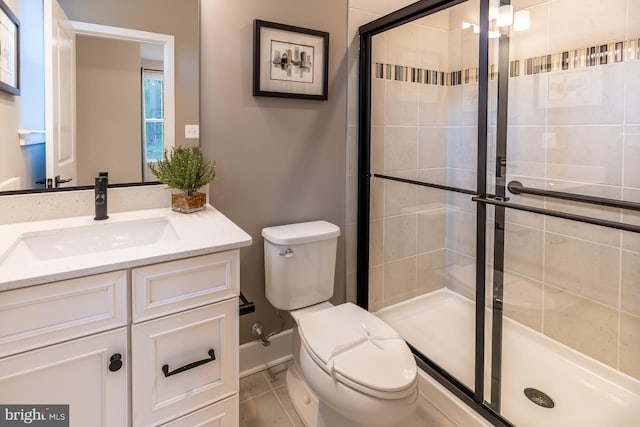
<point>304,232</point>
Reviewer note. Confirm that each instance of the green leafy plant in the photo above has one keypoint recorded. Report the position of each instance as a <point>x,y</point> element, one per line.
<point>184,169</point>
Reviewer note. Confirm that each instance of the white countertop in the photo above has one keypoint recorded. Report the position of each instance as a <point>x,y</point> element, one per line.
<point>198,233</point>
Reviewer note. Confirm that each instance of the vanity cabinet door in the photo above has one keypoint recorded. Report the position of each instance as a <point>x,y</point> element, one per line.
<point>76,373</point>
<point>184,362</point>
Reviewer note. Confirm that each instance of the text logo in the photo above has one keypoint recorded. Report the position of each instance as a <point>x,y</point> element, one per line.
<point>34,415</point>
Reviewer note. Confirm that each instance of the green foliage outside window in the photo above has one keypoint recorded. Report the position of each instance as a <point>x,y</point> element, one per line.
<point>153,102</point>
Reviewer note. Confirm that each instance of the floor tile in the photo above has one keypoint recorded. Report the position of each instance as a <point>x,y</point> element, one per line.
<point>427,415</point>
<point>264,402</point>
<point>283,396</point>
<point>252,386</point>
<point>263,411</point>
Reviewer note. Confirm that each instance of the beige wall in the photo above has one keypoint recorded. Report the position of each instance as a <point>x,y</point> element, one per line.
<point>279,160</point>
<point>108,108</point>
<point>179,18</point>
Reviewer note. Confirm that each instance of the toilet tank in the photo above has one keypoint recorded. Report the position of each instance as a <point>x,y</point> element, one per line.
<point>299,263</point>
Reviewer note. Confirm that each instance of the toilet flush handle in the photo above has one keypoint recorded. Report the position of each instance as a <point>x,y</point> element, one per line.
<point>287,254</point>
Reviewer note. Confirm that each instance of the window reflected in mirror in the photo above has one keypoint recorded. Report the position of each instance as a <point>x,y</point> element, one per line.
<point>153,118</point>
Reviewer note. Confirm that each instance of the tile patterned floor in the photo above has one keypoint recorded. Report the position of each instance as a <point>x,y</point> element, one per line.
<point>264,403</point>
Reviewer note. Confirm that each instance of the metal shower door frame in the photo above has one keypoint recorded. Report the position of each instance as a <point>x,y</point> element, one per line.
<point>474,398</point>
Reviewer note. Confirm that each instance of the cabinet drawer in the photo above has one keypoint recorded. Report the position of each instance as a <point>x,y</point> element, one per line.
<point>221,414</point>
<point>174,286</point>
<point>45,314</point>
<point>179,341</point>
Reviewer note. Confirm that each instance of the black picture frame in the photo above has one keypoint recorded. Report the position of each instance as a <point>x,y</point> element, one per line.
<point>9,51</point>
<point>290,61</point>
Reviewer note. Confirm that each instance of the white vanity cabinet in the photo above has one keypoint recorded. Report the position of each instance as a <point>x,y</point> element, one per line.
<point>66,343</point>
<point>148,345</point>
<point>184,339</point>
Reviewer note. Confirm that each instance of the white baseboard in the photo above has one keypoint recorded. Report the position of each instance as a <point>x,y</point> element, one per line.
<point>254,357</point>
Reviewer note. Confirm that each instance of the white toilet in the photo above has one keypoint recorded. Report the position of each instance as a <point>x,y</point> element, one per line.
<point>350,368</point>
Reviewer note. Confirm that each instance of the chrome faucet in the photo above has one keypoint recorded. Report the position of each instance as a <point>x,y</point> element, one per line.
<point>102,180</point>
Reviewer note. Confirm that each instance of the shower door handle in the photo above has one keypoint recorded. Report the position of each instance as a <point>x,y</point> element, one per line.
<point>501,165</point>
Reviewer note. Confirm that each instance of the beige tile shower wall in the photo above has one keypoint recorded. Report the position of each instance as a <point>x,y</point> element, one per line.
<point>576,131</point>
<point>361,12</point>
<point>422,132</point>
<point>461,146</point>
<point>410,137</point>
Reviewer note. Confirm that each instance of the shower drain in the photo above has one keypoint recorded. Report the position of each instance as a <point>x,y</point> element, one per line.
<point>539,398</point>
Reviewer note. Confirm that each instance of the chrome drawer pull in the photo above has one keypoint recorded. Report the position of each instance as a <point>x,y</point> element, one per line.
<point>212,357</point>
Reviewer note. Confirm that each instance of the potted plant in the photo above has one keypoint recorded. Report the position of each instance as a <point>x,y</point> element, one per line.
<point>185,170</point>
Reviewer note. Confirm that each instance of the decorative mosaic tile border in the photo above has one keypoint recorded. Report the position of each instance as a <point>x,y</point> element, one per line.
<point>610,53</point>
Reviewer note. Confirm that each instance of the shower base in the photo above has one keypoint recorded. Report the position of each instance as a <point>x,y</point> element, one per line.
<point>585,392</point>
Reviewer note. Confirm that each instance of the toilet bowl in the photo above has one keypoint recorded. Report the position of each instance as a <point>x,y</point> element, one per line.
<point>361,371</point>
<point>350,368</point>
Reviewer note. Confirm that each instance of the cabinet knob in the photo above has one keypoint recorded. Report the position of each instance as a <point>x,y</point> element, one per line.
<point>115,362</point>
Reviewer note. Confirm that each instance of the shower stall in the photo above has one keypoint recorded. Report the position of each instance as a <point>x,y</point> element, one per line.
<point>499,201</point>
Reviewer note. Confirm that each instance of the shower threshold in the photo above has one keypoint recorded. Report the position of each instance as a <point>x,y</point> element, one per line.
<point>585,392</point>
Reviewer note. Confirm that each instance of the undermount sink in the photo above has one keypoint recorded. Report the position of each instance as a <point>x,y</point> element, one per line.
<point>94,238</point>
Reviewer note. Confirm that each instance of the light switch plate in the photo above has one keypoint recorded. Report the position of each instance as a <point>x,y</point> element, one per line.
<point>192,131</point>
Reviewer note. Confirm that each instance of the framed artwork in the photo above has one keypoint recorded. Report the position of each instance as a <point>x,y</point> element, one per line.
<point>9,51</point>
<point>290,62</point>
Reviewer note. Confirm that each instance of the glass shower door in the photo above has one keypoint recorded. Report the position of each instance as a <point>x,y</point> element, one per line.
<point>500,202</point>
<point>563,228</point>
<point>423,163</point>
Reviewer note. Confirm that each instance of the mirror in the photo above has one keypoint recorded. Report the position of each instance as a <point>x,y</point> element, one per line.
<point>109,118</point>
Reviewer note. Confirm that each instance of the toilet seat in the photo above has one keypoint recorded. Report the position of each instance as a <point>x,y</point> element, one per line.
<point>359,350</point>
